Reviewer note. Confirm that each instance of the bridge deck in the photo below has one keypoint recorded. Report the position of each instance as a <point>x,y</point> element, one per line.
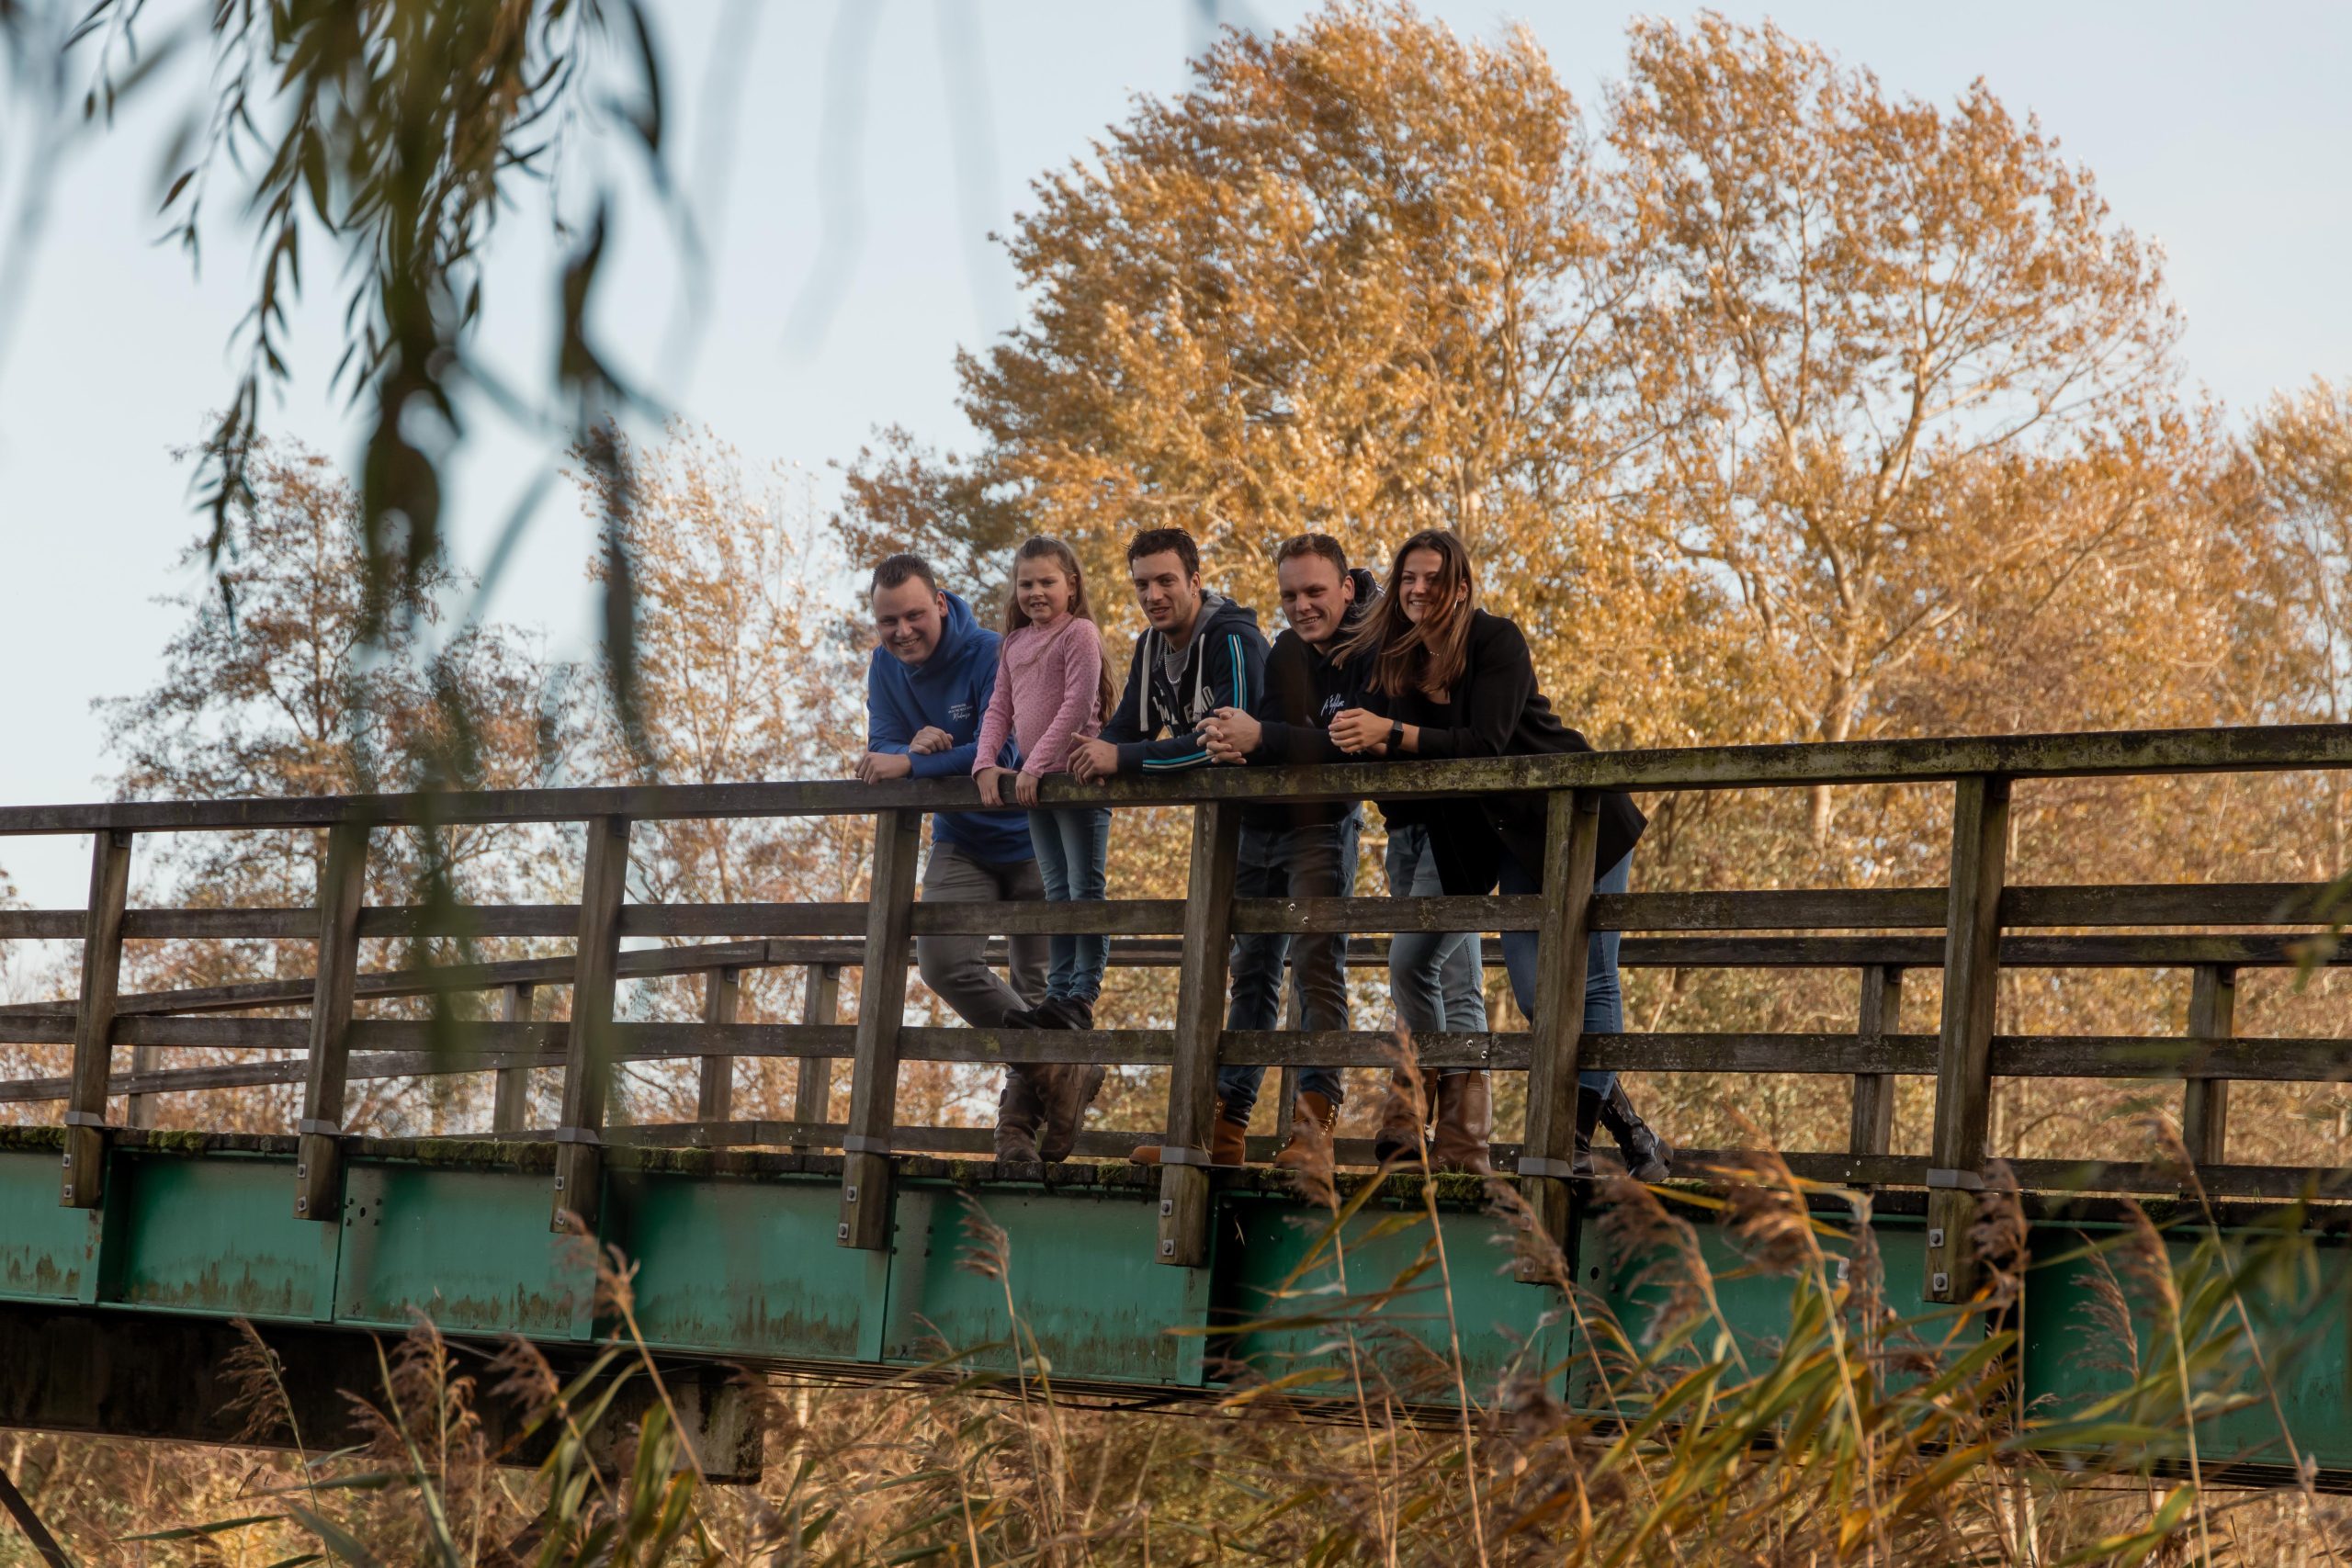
<point>735,1261</point>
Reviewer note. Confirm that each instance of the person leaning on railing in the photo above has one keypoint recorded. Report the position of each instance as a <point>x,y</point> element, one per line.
<point>1051,692</point>
<point>934,670</point>
<point>1438,677</point>
<point>1200,653</point>
<point>1310,853</point>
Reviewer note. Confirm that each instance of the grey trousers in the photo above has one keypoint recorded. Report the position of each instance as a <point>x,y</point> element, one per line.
<point>953,966</point>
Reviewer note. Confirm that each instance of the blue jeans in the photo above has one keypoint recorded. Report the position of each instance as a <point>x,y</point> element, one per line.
<point>1318,861</point>
<point>1436,979</point>
<point>1604,1004</point>
<point>1072,843</point>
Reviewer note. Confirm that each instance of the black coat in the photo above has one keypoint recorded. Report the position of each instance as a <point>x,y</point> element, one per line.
<point>1303,690</point>
<point>1494,710</point>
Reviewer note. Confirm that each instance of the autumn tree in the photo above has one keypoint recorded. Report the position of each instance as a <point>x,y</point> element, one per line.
<point>273,686</point>
<point>1321,289</point>
<point>744,673</point>
<point>1855,311</point>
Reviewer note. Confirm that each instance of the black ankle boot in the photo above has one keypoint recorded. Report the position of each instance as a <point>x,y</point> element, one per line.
<point>1648,1158</point>
<point>1065,1013</point>
<point>1023,1018</point>
<point>1588,1117</point>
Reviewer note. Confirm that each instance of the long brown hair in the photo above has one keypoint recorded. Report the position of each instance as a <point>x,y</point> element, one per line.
<point>1015,617</point>
<point>1427,657</point>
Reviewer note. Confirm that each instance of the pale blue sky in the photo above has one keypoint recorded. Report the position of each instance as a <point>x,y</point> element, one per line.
<point>2222,131</point>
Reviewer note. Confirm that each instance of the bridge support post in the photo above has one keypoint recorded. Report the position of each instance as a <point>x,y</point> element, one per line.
<point>588,1043</point>
<point>82,1178</point>
<point>1872,1129</point>
<point>512,1092</point>
<point>722,995</point>
<point>1980,840</point>
<point>866,1201</point>
<point>2205,1102</point>
<point>318,1159</point>
<point>1571,839</point>
<point>812,1089</point>
<point>1200,1027</point>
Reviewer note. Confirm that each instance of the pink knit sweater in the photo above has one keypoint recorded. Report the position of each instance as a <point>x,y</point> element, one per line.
<point>1048,693</point>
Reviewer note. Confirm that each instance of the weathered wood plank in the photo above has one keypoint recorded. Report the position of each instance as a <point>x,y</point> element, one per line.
<point>511,1095</point>
<point>714,1083</point>
<point>2205,1102</point>
<point>820,1007</point>
<point>1200,1027</point>
<point>318,1159</point>
<point>1571,838</point>
<point>1980,838</point>
<point>2250,749</point>
<point>867,1173</point>
<point>1871,1129</point>
<point>1519,912</point>
<point>2129,952</point>
<point>589,1044</point>
<point>82,1183</point>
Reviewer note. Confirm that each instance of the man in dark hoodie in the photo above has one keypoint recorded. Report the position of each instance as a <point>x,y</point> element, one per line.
<point>1306,849</point>
<point>1200,653</point>
<point>926,690</point>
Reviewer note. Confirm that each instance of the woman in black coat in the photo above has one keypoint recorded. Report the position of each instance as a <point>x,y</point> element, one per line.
<point>1435,676</point>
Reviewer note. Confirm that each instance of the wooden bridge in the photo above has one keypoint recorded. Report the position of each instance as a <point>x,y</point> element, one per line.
<point>830,1246</point>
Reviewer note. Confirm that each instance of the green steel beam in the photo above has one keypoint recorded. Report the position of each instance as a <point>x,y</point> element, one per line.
<point>736,1263</point>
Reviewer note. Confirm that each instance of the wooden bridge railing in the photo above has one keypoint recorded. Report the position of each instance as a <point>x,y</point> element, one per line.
<point>1972,913</point>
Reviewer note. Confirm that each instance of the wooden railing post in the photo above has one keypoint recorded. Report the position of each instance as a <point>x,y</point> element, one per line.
<point>723,993</point>
<point>318,1156</point>
<point>812,1090</point>
<point>82,1181</point>
<point>1546,1160</point>
<point>1873,1131</point>
<point>588,1053</point>
<point>2205,1103</point>
<point>866,1202</point>
<point>1980,840</point>
<point>512,1093</point>
<point>1200,1026</point>
<point>139,1110</point>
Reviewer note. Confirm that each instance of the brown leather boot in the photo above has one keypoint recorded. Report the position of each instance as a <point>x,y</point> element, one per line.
<point>1465,1123</point>
<point>1227,1143</point>
<point>1402,1121</point>
<point>1066,1095</point>
<point>1019,1111</point>
<point>1312,1117</point>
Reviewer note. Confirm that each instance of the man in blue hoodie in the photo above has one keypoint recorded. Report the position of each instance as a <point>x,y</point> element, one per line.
<point>926,689</point>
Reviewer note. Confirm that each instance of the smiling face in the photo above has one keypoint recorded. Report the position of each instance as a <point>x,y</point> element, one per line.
<point>1315,596</point>
<point>910,619</point>
<point>1417,583</point>
<point>1168,596</point>
<point>1043,589</point>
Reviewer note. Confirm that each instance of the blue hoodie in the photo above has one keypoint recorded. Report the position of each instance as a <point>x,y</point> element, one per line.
<point>951,689</point>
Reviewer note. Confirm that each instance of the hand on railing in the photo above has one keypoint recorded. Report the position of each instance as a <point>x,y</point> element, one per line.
<point>993,793</point>
<point>876,766</point>
<point>1231,734</point>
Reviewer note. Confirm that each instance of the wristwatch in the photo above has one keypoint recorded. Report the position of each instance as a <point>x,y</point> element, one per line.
<point>1396,736</point>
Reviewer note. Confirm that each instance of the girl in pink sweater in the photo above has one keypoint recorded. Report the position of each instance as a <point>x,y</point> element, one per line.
<point>1052,688</point>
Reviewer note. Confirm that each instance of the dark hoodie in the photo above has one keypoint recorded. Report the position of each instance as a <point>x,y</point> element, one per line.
<point>951,689</point>
<point>1495,710</point>
<point>1160,715</point>
<point>1304,689</point>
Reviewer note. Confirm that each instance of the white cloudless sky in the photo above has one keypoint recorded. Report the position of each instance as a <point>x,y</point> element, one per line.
<point>873,145</point>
